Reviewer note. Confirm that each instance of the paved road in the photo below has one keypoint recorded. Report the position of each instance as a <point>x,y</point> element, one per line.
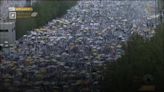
<point>68,52</point>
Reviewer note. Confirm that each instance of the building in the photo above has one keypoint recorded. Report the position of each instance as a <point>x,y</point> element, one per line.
<point>30,2</point>
<point>5,4</point>
<point>7,33</point>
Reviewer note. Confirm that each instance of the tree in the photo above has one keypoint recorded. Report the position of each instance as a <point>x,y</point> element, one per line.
<point>141,58</point>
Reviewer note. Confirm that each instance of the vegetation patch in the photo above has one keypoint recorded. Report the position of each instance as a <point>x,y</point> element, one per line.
<point>47,10</point>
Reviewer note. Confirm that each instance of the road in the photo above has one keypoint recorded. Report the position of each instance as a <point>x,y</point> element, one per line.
<point>69,52</point>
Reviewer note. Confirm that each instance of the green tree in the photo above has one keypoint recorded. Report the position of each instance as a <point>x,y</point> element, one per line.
<point>141,57</point>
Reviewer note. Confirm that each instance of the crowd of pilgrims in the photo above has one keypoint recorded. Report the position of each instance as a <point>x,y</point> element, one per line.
<point>68,54</point>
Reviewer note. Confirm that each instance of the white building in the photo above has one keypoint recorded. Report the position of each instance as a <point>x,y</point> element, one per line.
<point>7,33</point>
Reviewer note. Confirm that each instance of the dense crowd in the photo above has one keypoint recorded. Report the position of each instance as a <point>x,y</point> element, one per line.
<point>67,54</point>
